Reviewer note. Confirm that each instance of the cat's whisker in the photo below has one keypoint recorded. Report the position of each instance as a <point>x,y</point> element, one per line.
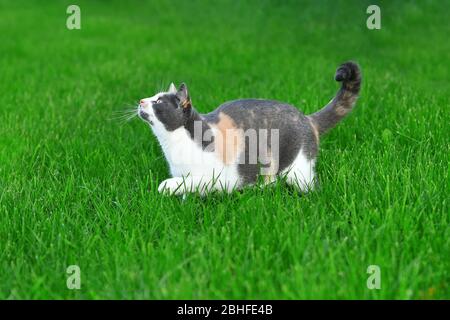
<point>131,110</point>
<point>131,116</point>
<point>123,116</point>
<point>123,112</point>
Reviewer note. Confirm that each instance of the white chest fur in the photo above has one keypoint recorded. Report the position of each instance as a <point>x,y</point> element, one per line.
<point>187,158</point>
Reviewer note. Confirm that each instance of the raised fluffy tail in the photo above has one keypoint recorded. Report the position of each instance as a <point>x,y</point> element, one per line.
<point>326,118</point>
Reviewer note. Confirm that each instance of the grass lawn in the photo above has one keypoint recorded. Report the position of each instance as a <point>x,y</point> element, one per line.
<point>79,186</point>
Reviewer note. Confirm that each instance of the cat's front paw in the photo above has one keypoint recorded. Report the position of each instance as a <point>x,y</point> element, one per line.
<point>171,186</point>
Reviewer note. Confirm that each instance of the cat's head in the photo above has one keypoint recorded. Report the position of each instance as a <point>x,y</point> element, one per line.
<point>166,111</point>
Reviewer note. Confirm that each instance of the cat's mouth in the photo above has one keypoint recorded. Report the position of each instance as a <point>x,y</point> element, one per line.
<point>144,116</point>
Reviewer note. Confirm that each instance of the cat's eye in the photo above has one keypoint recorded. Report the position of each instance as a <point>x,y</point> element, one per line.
<point>158,101</point>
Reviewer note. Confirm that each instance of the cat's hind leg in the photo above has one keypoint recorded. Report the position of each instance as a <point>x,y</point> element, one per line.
<point>300,173</point>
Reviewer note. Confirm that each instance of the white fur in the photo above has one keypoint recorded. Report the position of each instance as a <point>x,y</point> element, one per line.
<point>301,172</point>
<point>172,88</point>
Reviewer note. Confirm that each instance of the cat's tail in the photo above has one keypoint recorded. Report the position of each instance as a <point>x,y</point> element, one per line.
<point>350,75</point>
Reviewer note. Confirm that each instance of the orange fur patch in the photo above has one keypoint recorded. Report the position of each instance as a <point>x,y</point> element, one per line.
<point>314,130</point>
<point>341,111</point>
<point>228,140</point>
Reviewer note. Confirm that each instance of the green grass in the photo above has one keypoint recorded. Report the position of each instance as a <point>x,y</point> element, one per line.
<point>78,187</point>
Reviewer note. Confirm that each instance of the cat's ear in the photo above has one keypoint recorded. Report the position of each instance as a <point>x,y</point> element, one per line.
<point>172,88</point>
<point>183,95</point>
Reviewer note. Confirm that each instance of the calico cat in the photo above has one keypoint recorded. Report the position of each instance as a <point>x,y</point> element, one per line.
<point>242,141</point>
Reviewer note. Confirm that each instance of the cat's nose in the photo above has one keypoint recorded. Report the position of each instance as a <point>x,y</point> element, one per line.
<point>142,103</point>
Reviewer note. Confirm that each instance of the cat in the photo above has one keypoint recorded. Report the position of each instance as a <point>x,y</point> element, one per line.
<point>243,141</point>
